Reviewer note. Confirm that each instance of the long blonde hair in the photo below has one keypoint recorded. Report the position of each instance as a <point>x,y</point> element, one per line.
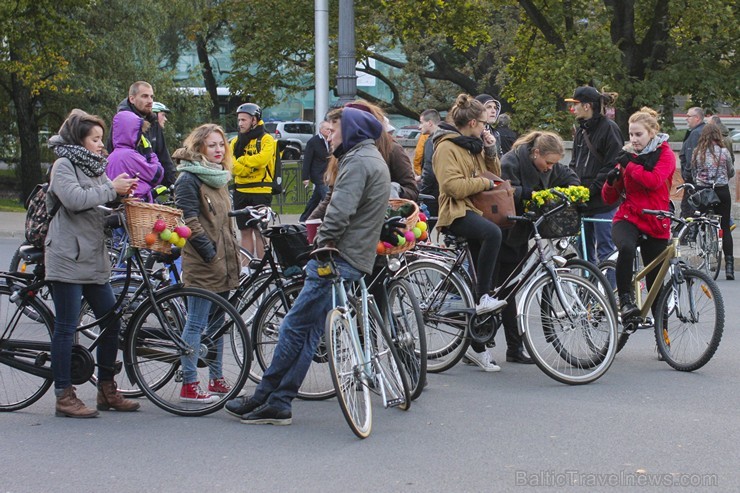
<point>196,142</point>
<point>545,142</point>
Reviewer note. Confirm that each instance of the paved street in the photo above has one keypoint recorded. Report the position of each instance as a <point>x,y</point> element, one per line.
<point>642,423</point>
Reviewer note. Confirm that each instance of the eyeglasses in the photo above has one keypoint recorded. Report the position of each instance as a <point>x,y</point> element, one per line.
<point>481,121</point>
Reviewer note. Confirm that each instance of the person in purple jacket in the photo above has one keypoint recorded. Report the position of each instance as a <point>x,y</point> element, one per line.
<point>129,130</point>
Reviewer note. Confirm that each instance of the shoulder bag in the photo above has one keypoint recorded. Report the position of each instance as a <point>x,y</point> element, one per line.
<point>496,204</point>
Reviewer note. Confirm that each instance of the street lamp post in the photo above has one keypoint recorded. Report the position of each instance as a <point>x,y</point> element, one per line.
<point>346,75</point>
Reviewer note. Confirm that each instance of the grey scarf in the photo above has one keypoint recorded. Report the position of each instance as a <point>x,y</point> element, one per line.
<point>93,165</point>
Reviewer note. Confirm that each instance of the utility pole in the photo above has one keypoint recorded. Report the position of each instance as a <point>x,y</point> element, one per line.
<point>321,86</point>
<point>346,75</point>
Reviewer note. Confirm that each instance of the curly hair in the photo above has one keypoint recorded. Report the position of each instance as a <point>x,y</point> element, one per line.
<point>196,142</point>
<point>711,136</point>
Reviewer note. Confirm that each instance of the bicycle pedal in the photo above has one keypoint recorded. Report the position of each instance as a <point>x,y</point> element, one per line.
<point>395,402</point>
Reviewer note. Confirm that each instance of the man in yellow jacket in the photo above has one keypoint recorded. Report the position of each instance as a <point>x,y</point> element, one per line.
<point>254,152</point>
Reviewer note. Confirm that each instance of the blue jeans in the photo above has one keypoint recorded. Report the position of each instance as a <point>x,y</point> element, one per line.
<point>200,314</point>
<point>299,337</point>
<point>319,192</point>
<point>599,238</point>
<point>67,304</point>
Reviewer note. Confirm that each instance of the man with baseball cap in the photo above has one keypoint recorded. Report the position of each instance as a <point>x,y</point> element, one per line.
<point>597,142</point>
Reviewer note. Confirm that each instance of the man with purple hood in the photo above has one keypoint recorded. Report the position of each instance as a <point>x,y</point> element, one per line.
<point>129,132</point>
<point>352,225</point>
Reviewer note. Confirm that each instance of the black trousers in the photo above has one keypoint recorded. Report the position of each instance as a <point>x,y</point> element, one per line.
<point>627,238</point>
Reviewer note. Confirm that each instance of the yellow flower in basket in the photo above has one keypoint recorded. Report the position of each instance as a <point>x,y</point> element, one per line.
<point>543,198</point>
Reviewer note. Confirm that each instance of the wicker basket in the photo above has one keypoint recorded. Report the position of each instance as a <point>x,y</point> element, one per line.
<point>140,219</point>
<point>566,222</point>
<point>411,221</point>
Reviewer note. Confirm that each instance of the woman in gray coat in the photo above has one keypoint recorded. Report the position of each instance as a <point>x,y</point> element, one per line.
<point>76,259</point>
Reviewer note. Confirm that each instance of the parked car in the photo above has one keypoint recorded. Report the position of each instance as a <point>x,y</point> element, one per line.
<point>408,132</point>
<point>296,133</point>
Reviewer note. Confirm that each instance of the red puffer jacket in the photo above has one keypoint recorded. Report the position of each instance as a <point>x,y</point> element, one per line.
<point>644,189</point>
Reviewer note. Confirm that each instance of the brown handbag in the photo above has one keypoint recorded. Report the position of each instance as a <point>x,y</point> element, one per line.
<point>496,204</point>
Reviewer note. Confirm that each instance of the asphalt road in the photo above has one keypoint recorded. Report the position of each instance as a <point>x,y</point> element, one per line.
<point>642,427</point>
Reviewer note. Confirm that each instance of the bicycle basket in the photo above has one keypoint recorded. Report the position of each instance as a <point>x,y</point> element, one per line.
<point>565,222</point>
<point>410,220</point>
<point>290,244</point>
<point>140,218</point>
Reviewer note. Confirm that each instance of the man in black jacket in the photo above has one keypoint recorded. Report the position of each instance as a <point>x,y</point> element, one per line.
<point>140,101</point>
<point>315,158</point>
<point>596,145</point>
<point>695,122</point>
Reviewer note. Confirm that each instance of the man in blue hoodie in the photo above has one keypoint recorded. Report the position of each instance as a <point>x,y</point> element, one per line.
<point>353,217</point>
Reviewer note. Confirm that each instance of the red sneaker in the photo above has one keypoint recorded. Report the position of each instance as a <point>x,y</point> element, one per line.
<point>191,392</point>
<point>219,386</point>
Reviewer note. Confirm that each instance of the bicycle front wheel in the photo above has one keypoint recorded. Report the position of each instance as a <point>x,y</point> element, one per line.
<point>446,305</point>
<point>389,371</point>
<point>689,321</point>
<point>347,373</point>
<point>408,334</point>
<point>265,334</point>
<point>712,250</point>
<point>570,328</point>
<point>25,351</point>
<point>156,347</point>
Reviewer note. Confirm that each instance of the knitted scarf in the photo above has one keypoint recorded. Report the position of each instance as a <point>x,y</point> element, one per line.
<point>211,174</point>
<point>472,144</point>
<point>93,165</point>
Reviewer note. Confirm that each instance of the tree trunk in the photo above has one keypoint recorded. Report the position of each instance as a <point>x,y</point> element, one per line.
<point>208,78</point>
<point>29,168</point>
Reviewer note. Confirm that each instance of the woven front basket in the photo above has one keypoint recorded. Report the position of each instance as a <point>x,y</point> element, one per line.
<point>140,219</point>
<point>410,221</point>
<point>565,222</point>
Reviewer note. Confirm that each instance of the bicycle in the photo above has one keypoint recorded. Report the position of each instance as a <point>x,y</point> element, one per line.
<point>151,342</point>
<point>266,294</point>
<point>362,355</point>
<point>702,239</point>
<point>688,308</point>
<point>568,322</point>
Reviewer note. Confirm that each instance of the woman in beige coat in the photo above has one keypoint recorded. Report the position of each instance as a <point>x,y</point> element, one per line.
<point>463,150</point>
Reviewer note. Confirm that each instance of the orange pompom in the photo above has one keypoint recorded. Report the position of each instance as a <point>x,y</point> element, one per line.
<point>150,239</point>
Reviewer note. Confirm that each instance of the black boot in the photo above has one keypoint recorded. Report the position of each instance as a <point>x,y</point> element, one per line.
<point>628,309</point>
<point>729,267</point>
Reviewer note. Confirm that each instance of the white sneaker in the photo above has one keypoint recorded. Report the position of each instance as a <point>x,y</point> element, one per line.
<point>488,304</point>
<point>483,360</point>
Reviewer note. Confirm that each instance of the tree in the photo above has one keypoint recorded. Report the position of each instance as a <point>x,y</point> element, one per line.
<point>34,60</point>
<point>646,50</point>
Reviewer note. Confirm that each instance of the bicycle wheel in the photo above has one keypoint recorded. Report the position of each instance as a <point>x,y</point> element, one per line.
<point>265,333</point>
<point>692,247</point>
<point>25,351</point>
<point>570,329</point>
<point>350,381</point>
<point>689,321</point>
<point>155,346</point>
<point>409,336</point>
<point>389,372</point>
<point>86,337</point>
<point>241,300</point>
<point>712,246</point>
<point>446,305</point>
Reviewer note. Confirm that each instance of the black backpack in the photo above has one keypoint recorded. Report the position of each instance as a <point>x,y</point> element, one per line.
<point>37,217</point>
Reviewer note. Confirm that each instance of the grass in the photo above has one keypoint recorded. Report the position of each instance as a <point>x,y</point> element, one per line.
<point>11,205</point>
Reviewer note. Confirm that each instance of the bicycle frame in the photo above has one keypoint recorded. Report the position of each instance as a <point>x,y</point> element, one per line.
<point>664,260</point>
<point>339,299</point>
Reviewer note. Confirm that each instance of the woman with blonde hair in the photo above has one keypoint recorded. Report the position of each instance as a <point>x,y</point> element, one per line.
<point>642,177</point>
<point>210,258</point>
<point>532,164</point>
<point>712,167</point>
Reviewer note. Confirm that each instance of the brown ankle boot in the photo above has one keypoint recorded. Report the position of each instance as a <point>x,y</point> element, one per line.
<point>110,398</point>
<point>68,405</point>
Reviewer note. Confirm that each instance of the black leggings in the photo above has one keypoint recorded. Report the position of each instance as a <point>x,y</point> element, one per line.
<point>484,239</point>
<point>627,238</point>
<point>724,209</point>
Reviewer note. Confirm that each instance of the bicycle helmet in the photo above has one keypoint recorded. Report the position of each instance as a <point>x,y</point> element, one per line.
<point>158,107</point>
<point>250,109</point>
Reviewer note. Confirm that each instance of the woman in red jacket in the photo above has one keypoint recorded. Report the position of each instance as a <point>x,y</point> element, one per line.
<point>642,176</point>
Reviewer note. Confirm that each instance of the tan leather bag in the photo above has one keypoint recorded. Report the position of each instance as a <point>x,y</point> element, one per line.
<point>497,203</point>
